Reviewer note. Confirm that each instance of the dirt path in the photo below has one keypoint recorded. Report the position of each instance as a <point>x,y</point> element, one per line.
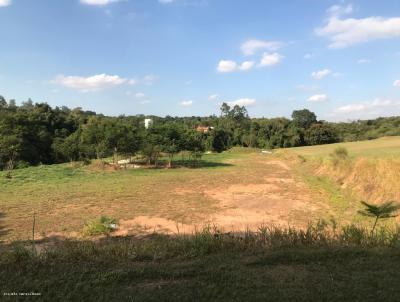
<point>269,194</point>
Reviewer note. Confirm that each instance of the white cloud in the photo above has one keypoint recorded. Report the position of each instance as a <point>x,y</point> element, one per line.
<point>320,74</point>
<point>396,83</point>
<point>270,59</point>
<point>226,66</point>
<point>98,2</point>
<point>92,83</point>
<point>140,95</point>
<point>213,97</point>
<point>375,108</point>
<point>250,47</point>
<point>246,65</point>
<point>363,61</point>
<point>347,32</point>
<point>4,3</point>
<point>144,102</point>
<point>338,10</point>
<point>187,103</point>
<point>165,1</point>
<point>242,102</point>
<point>318,98</point>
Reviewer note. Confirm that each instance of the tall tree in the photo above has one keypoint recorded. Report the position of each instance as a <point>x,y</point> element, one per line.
<point>304,118</point>
<point>10,148</point>
<point>319,134</point>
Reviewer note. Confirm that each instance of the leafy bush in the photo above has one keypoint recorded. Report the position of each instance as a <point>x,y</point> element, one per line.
<point>103,226</point>
<point>341,152</point>
<point>22,164</point>
<point>338,155</point>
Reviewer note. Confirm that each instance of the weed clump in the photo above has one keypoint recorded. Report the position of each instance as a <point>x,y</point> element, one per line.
<point>338,155</point>
<point>341,152</point>
<point>102,226</point>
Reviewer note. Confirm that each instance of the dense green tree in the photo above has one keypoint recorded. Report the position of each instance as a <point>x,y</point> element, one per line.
<point>319,134</point>
<point>194,143</point>
<point>225,110</point>
<point>10,148</point>
<point>94,137</point>
<point>304,118</point>
<point>173,140</point>
<point>220,140</point>
<point>3,102</point>
<point>69,148</point>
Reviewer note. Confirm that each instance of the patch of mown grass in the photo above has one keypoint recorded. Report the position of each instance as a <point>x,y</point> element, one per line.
<point>316,264</point>
<point>42,174</point>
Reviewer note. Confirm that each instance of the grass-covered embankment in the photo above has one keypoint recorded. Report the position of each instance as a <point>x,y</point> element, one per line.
<point>370,170</point>
<point>317,264</point>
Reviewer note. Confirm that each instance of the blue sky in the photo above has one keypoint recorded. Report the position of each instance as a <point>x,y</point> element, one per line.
<point>340,59</point>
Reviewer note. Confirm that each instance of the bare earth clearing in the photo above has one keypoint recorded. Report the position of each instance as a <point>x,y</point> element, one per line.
<point>277,197</point>
<point>243,190</point>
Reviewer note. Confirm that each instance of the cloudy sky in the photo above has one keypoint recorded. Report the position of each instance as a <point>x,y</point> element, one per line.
<point>340,59</point>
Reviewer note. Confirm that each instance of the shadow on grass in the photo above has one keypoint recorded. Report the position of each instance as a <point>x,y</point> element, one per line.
<point>200,164</point>
<point>176,164</point>
<point>270,265</point>
<point>206,266</point>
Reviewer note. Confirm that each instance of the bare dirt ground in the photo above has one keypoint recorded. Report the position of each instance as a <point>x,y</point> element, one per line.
<point>246,191</point>
<point>271,195</point>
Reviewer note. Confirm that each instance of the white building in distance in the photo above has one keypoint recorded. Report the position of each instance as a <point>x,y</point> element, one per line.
<point>148,122</point>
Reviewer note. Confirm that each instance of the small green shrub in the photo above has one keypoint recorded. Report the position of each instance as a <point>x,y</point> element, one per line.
<point>22,164</point>
<point>384,211</point>
<point>103,226</point>
<point>341,152</point>
<point>338,155</point>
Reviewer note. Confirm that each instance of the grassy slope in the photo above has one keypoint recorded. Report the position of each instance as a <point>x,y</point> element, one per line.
<point>386,147</point>
<point>286,275</point>
<point>372,172</point>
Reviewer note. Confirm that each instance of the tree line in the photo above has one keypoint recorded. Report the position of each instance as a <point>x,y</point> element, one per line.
<point>36,133</point>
